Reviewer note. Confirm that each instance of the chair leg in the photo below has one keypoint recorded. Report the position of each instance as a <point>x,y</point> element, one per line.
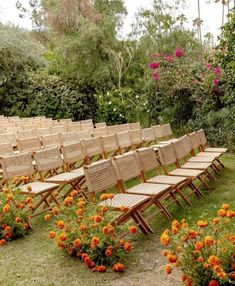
<point>183,196</point>
<point>204,183</point>
<point>139,223</point>
<point>147,226</point>
<point>196,191</point>
<point>163,209</point>
<point>175,199</point>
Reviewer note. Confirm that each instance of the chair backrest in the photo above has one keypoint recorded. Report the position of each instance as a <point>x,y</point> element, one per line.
<point>102,131</point>
<point>29,144</point>
<point>48,159</point>
<point>134,126</point>
<point>17,165</point>
<point>68,138</point>
<point>87,121</point>
<point>167,155</point>
<point>6,149</point>
<point>100,124</point>
<point>109,143</point>
<point>74,127</point>
<point>187,144</point>
<point>195,143</point>
<point>92,146</point>
<point>100,176</point>
<point>44,124</point>
<point>147,158</point>
<point>72,153</point>
<point>124,127</point>
<point>58,129</point>
<point>8,137</point>
<point>127,166</point>
<point>158,131</point>
<point>66,120</point>
<point>179,149</point>
<point>87,125</point>
<point>148,134</point>
<point>44,131</point>
<point>51,140</point>
<point>136,136</point>
<point>123,139</point>
<point>202,137</point>
<point>113,129</point>
<point>84,135</point>
<point>26,134</point>
<point>166,130</point>
<point>28,126</point>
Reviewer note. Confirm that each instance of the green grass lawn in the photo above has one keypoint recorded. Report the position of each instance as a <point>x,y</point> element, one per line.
<point>36,261</point>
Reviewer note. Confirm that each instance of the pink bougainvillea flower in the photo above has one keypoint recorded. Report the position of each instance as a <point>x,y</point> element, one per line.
<point>208,66</point>
<point>179,53</point>
<point>155,76</point>
<point>216,81</point>
<point>168,59</point>
<point>217,70</point>
<point>154,65</point>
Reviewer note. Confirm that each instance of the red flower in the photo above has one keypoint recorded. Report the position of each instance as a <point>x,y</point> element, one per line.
<point>155,76</point>
<point>217,70</point>
<point>154,65</point>
<point>216,81</point>
<point>118,267</point>
<point>213,283</point>
<point>179,53</point>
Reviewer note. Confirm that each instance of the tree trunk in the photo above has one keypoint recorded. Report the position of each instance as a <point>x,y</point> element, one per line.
<point>199,16</point>
<point>222,14</point>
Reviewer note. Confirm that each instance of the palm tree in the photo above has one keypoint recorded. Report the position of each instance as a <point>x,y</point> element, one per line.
<point>223,8</point>
<point>182,19</point>
<point>197,22</point>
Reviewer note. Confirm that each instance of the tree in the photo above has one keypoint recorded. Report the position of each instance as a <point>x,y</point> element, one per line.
<point>199,21</point>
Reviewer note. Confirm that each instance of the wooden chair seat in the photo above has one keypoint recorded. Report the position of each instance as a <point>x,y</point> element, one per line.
<point>201,159</point>
<point>186,173</point>
<point>78,171</point>
<point>125,200</point>
<point>65,177</point>
<point>38,188</point>
<point>149,189</point>
<point>170,180</point>
<point>196,166</point>
<point>207,154</point>
<point>217,150</point>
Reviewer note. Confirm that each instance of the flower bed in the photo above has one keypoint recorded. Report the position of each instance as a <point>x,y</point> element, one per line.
<point>206,253</point>
<point>85,230</point>
<point>14,220</point>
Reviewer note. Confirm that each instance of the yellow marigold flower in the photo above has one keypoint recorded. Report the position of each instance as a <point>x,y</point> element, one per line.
<point>175,224</point>
<point>222,212</point>
<point>198,245</point>
<point>171,258</point>
<point>214,260</point>
<point>165,239</point>
<point>225,207</point>
<point>230,213</point>
<point>216,220</point>
<point>202,223</point>
<point>209,241</point>
<point>200,259</point>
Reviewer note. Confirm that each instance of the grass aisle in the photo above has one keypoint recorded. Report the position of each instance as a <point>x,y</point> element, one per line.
<point>35,261</point>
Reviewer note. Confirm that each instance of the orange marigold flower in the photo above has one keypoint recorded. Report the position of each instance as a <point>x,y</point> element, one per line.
<point>175,230</point>
<point>168,269</point>
<point>7,229</point>
<point>73,193</point>
<point>165,239</point>
<point>2,242</point>
<point>29,188</point>
<point>233,266</point>
<point>68,201</point>
<point>198,245</point>
<point>127,246</point>
<point>202,223</point>
<point>104,209</point>
<point>133,229</point>
<point>118,267</point>
<point>222,212</point>
<point>183,277</point>
<point>175,224</point>
<point>106,196</point>
<point>232,276</point>
<point>82,227</point>
<point>216,220</point>
<point>192,234</point>
<point>24,179</point>
<point>171,258</point>
<point>122,242</point>
<point>61,244</point>
<point>101,268</point>
<point>206,266</point>
<point>47,217</point>
<point>52,234</point>
<point>18,220</point>
<point>6,190</point>
<point>55,211</point>
<point>164,252</point>
<point>218,268</point>
<point>6,208</point>
<point>200,259</point>
<point>108,252</point>
<point>222,275</point>
<point>79,212</point>
<point>9,197</point>
<point>106,230</point>
<point>98,218</point>
<point>81,204</point>
<point>230,213</point>
<point>22,206</point>
<point>60,224</point>
<point>62,237</point>
<point>214,260</point>
<point>123,208</point>
<point>209,241</point>
<point>95,241</point>
<point>26,225</point>
<point>28,200</point>
<point>225,207</point>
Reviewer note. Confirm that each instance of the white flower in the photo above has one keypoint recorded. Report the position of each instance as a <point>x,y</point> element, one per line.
<point>114,109</point>
<point>110,102</point>
<point>137,96</point>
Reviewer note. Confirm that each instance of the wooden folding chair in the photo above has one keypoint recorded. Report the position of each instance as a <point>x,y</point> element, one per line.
<point>50,166</point>
<point>52,140</point>
<point>6,149</point>
<point>101,131</point>
<point>204,144</point>
<point>149,162</point>
<point>68,138</point>
<point>136,138</point>
<point>58,129</point>
<point>8,138</point>
<point>74,127</point>
<point>167,131</point>
<point>113,129</point>
<point>127,167</point>
<point>21,165</point>
<point>74,157</point>
<point>124,127</point>
<point>157,129</point>
<point>43,131</point>
<point>29,144</point>
<point>84,135</point>
<point>93,150</point>
<point>124,141</point>
<point>101,176</point>
<point>148,136</point>
<point>167,157</point>
<point>26,134</point>
<point>110,146</point>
